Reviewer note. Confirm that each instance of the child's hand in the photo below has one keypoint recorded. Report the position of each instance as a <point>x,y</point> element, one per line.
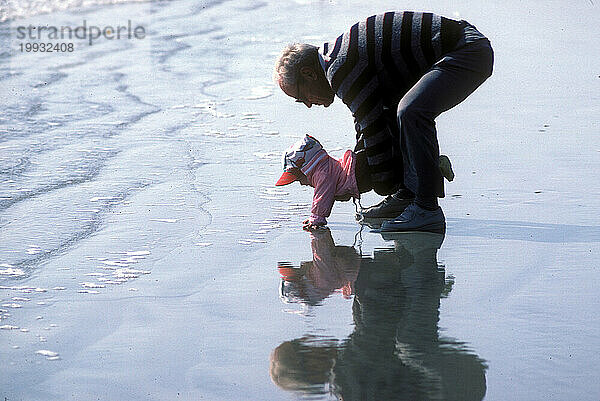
<point>308,226</point>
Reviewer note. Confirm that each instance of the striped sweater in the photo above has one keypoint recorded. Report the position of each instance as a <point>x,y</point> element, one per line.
<point>373,65</point>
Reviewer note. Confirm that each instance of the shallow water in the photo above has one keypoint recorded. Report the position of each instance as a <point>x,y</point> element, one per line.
<point>141,234</point>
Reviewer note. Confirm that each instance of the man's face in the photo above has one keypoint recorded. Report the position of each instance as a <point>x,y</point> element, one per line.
<point>310,89</point>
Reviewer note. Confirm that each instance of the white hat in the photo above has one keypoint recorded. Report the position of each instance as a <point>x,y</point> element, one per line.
<point>302,155</point>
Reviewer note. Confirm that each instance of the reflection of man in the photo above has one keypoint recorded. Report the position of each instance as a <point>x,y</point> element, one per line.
<point>303,364</point>
<point>395,352</point>
<point>396,72</point>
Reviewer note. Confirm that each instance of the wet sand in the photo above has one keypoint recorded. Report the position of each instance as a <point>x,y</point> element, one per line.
<point>141,234</point>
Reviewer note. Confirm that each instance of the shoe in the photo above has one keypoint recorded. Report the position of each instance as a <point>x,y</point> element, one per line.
<point>415,218</point>
<point>390,207</point>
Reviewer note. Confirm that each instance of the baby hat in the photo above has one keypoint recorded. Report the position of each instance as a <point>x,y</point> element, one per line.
<point>302,155</point>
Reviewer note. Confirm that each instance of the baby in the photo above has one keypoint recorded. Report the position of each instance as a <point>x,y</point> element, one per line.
<point>307,162</point>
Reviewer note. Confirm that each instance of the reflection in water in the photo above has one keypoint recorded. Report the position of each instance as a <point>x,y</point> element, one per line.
<point>304,364</point>
<point>332,268</point>
<point>394,352</point>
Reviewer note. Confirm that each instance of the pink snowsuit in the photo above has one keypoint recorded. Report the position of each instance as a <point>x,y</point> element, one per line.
<point>330,178</point>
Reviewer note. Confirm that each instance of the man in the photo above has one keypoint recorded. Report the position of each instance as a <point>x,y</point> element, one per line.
<point>396,72</point>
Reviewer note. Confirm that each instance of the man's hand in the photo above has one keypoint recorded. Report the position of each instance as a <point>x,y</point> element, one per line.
<point>308,226</point>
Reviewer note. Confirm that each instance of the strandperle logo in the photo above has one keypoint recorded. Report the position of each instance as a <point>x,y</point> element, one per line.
<point>91,32</point>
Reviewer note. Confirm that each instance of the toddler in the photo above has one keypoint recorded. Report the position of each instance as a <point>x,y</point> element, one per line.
<point>307,162</point>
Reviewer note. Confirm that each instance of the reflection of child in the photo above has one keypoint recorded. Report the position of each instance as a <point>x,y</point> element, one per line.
<point>307,162</point>
<point>333,268</point>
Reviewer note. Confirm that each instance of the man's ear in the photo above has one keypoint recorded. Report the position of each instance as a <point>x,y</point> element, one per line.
<point>308,73</point>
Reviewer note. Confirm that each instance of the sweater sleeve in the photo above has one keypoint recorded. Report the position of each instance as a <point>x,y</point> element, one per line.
<point>324,183</point>
<point>376,138</point>
<point>353,77</point>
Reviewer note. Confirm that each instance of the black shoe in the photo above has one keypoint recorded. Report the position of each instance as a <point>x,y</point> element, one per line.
<point>415,218</point>
<point>390,207</point>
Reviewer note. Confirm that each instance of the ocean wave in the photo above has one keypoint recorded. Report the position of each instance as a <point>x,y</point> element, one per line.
<point>14,9</point>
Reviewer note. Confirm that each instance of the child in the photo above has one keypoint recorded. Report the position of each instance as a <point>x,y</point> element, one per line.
<point>307,162</point>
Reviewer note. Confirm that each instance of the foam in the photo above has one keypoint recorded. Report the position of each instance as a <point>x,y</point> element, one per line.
<point>50,355</point>
<point>12,272</point>
<point>91,285</point>
<point>12,305</point>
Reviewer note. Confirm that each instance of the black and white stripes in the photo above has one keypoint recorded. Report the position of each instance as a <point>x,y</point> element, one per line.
<point>375,63</point>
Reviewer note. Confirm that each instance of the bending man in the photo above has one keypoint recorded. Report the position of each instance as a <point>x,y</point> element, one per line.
<point>396,72</point>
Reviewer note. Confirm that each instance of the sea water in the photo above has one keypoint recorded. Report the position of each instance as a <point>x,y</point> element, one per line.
<point>143,246</point>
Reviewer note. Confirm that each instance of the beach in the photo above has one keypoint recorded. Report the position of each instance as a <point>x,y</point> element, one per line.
<point>145,253</point>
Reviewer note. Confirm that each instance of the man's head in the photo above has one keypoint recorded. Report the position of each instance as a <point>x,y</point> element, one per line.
<point>299,74</point>
<point>304,364</point>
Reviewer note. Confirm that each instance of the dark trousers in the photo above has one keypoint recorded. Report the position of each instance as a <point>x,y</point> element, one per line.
<point>445,85</point>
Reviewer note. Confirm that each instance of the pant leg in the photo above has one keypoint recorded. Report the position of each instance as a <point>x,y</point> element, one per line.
<point>445,85</point>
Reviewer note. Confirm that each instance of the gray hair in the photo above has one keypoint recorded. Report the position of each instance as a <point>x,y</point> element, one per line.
<point>291,59</point>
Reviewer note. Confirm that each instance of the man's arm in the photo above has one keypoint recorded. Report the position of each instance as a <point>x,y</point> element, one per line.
<point>353,77</point>
<point>376,140</point>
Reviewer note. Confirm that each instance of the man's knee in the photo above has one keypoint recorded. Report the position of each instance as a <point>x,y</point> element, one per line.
<point>408,113</point>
